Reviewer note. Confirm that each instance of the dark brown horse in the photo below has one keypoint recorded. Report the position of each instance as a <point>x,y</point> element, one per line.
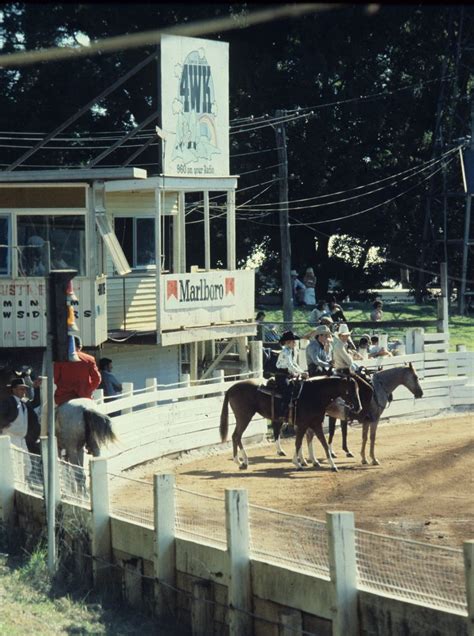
<point>245,400</point>
<point>385,382</point>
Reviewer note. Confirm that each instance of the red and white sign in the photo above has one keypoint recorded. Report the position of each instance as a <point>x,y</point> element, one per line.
<point>189,291</point>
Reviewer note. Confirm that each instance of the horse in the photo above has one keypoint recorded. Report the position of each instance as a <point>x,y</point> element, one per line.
<point>246,399</point>
<point>385,382</point>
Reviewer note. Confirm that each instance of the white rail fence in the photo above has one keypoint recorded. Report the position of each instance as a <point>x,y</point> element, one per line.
<point>432,576</point>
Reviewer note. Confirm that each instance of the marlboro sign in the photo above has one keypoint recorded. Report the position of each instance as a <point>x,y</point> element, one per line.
<point>185,291</point>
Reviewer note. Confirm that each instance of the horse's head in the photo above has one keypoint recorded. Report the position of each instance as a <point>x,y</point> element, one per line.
<point>351,394</point>
<point>411,381</point>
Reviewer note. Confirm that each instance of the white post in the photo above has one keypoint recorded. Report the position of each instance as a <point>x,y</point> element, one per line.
<point>418,340</point>
<point>44,405</point>
<point>182,231</point>
<point>343,572</point>
<point>243,353</point>
<point>127,391</point>
<point>98,396</point>
<point>468,549</point>
<point>256,358</point>
<point>152,386</point>
<point>44,458</point>
<point>409,341</point>
<point>219,378</point>
<point>238,539</point>
<point>7,485</point>
<point>164,544</point>
<point>100,521</point>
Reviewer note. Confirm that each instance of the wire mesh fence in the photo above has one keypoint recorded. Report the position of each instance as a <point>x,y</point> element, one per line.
<point>200,516</point>
<point>74,484</point>
<point>280,538</point>
<point>427,574</point>
<point>27,471</point>
<point>131,499</point>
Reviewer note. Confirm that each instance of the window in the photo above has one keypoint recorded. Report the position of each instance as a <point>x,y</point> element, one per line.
<point>137,238</point>
<point>66,235</point>
<point>4,242</point>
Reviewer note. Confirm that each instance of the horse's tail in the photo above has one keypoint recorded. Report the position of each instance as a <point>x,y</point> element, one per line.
<point>224,426</point>
<point>99,426</point>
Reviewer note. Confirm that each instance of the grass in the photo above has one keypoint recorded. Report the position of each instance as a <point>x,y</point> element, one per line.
<point>30,604</point>
<point>461,328</point>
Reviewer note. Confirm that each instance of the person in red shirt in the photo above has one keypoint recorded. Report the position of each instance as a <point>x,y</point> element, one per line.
<point>76,379</point>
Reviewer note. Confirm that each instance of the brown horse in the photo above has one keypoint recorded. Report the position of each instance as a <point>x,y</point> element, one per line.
<point>385,382</point>
<point>245,400</point>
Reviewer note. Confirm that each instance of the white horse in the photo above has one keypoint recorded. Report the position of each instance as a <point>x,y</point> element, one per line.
<point>79,424</point>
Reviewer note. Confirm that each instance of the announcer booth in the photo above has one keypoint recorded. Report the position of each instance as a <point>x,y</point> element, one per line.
<point>155,316</point>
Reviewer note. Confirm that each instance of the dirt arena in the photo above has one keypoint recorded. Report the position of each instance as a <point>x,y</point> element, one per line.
<point>423,488</point>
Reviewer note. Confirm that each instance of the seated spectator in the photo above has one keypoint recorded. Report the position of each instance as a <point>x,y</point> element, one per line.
<point>376,315</point>
<point>318,312</point>
<point>375,350</point>
<point>259,319</point>
<point>335,311</point>
<point>363,346</point>
<point>265,332</point>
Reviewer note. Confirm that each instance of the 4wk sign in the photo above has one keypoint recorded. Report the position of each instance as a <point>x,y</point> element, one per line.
<point>185,291</point>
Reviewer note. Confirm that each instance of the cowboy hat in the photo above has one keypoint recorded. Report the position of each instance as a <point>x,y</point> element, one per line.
<point>327,319</point>
<point>16,383</point>
<point>321,330</point>
<point>294,272</point>
<point>288,335</point>
<point>344,330</point>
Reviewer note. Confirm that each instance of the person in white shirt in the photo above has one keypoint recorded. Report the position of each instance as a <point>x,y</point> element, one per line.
<point>342,358</point>
<point>287,368</point>
<point>14,418</point>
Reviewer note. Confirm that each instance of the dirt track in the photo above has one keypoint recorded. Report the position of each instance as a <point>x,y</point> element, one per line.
<point>422,490</point>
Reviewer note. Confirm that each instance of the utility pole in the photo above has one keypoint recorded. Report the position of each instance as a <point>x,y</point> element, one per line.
<point>285,239</point>
<point>467,228</point>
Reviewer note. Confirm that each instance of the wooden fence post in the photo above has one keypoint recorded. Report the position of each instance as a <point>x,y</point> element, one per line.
<point>100,522</point>
<point>152,386</point>
<point>468,549</point>
<point>127,391</point>
<point>7,484</point>
<point>243,353</point>
<point>256,358</point>
<point>202,610</point>
<point>343,572</point>
<point>44,458</point>
<point>219,378</point>
<point>164,544</point>
<point>238,548</point>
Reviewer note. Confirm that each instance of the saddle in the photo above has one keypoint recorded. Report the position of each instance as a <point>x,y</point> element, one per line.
<point>271,389</point>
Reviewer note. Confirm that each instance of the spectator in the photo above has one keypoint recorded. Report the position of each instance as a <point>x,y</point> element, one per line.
<point>297,289</point>
<point>309,281</point>
<point>335,311</point>
<point>318,352</point>
<point>318,312</point>
<point>259,319</point>
<point>376,315</point>
<point>375,350</point>
<point>363,346</point>
<point>76,379</point>
<point>18,418</point>
<point>265,332</point>
<point>110,385</point>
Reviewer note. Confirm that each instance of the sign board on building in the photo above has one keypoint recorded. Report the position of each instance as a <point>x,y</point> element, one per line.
<point>195,106</point>
<point>23,312</point>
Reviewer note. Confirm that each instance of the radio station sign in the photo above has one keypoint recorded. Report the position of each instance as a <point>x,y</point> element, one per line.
<point>23,320</point>
<point>191,291</point>
<point>195,106</point>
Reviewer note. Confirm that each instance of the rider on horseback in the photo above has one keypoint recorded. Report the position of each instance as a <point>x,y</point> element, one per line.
<point>343,360</point>
<point>287,369</point>
<point>318,352</point>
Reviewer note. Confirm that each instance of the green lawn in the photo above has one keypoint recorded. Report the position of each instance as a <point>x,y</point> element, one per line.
<point>461,328</point>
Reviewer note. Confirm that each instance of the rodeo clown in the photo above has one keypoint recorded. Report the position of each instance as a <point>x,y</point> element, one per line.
<point>287,369</point>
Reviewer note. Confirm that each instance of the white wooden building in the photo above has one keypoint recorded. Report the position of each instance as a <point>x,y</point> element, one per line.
<point>109,225</point>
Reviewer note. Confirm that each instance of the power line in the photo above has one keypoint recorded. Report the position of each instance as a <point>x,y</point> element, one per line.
<point>152,38</point>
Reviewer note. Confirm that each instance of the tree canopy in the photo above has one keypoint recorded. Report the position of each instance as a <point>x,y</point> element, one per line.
<point>380,97</point>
